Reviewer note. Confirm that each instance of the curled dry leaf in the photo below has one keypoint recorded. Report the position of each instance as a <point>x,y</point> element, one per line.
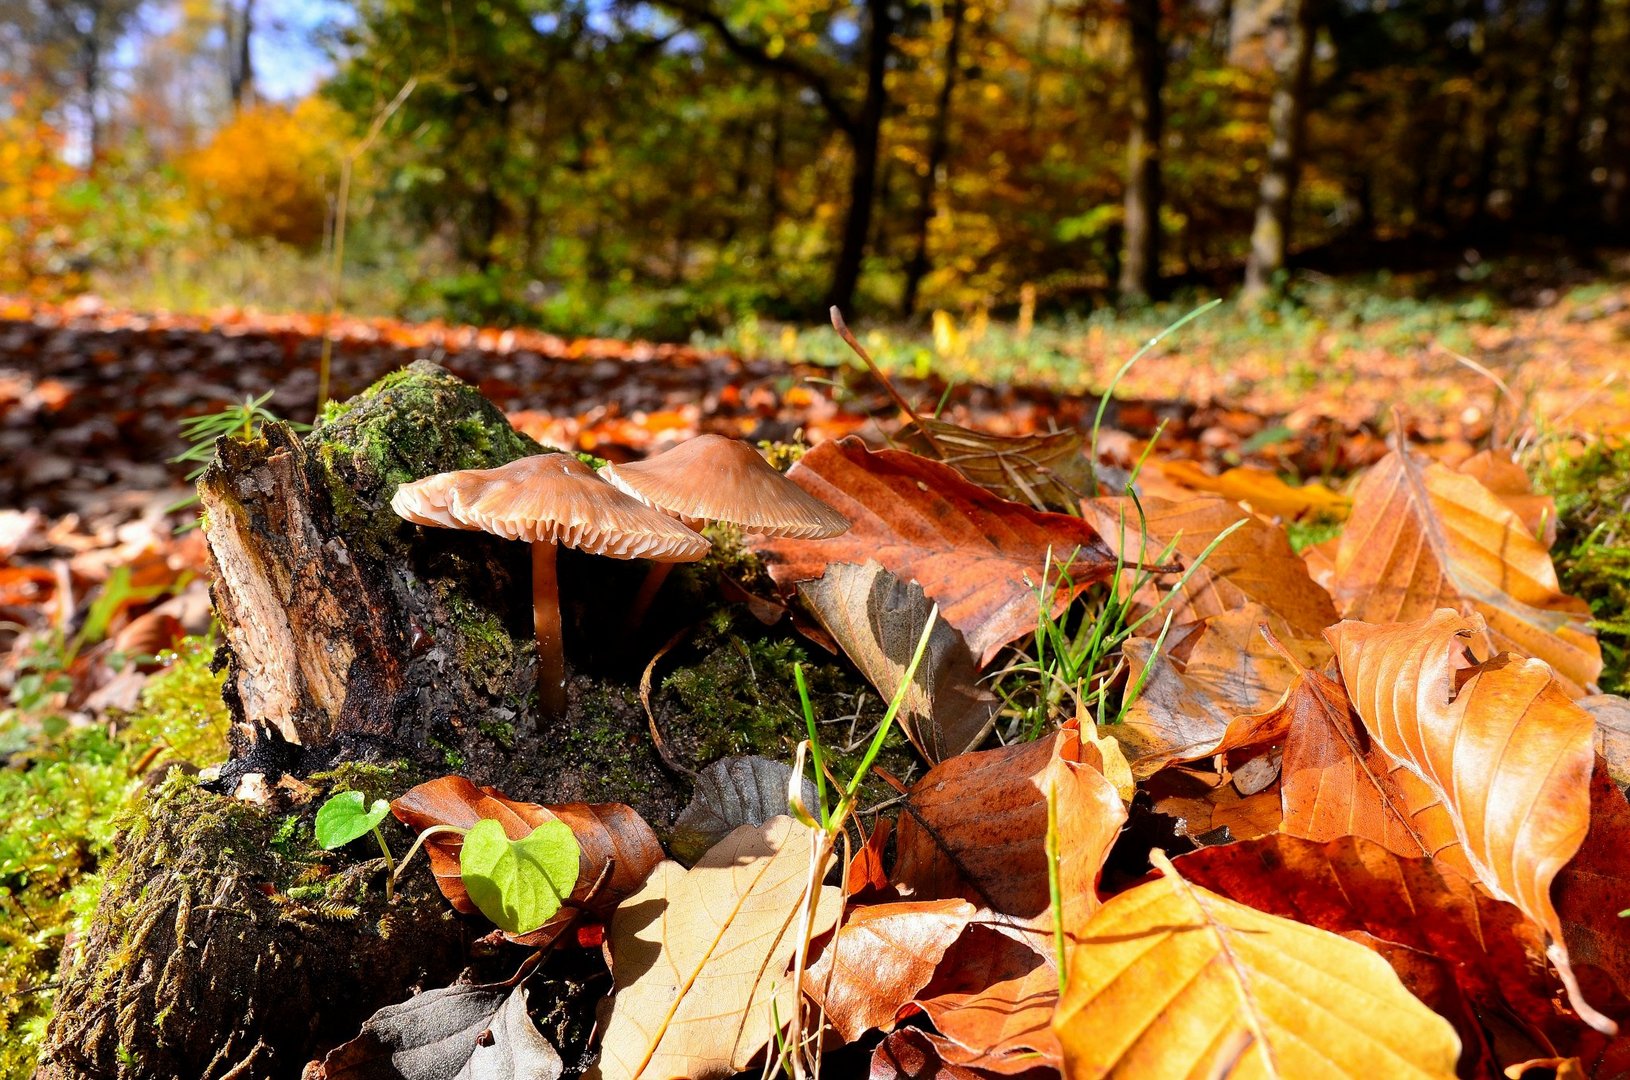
<point>608,834</point>
<point>1508,753</point>
<point>915,1054</point>
<point>977,555</point>
<point>878,620</point>
<point>1255,564</point>
<point>730,793</point>
<point>993,999</point>
<point>1423,537</point>
<point>879,958</point>
<point>1046,471</point>
<point>1171,979</point>
<point>1475,960</point>
<point>975,827</point>
<point>701,957</point>
<point>1194,698</point>
<point>455,1033</point>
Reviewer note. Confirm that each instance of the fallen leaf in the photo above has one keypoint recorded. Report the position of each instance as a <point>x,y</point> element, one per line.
<point>878,620</point>
<point>915,1054</point>
<point>1423,537</point>
<point>1262,490</point>
<point>1509,755</point>
<point>1508,481</point>
<point>730,793</point>
<point>1170,979</point>
<point>1047,471</point>
<point>1254,564</point>
<point>980,557</point>
<point>1188,706</point>
<point>1210,810</point>
<point>1593,888</point>
<point>879,958</point>
<point>1478,962</point>
<point>865,873</point>
<point>975,827</point>
<point>1612,715</point>
<point>700,957</point>
<point>455,1033</point>
<point>993,999</point>
<point>607,833</point>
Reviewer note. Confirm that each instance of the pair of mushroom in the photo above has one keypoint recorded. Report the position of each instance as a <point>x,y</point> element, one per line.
<point>622,513</point>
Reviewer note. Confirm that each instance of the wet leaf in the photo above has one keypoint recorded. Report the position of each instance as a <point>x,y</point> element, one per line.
<point>980,557</point>
<point>878,620</point>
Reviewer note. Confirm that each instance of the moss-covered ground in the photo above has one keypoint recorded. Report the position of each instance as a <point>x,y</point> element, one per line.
<point>62,791</point>
<point>1592,553</point>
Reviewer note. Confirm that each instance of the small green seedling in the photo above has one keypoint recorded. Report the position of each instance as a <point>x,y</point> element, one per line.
<point>346,817</point>
<point>519,884</point>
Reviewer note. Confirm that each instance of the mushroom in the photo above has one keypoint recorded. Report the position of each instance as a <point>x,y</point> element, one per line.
<point>712,478</point>
<point>548,500</point>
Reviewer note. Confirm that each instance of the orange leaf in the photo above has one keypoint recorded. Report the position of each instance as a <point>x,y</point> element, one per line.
<point>1508,754</point>
<point>980,557</point>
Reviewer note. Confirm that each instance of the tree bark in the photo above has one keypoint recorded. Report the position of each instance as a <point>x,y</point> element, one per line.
<point>1287,120</point>
<point>939,147</point>
<point>1140,266</point>
<point>240,70</point>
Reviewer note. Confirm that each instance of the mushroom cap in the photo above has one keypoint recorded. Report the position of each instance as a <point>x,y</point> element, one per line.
<point>550,499</point>
<point>712,478</point>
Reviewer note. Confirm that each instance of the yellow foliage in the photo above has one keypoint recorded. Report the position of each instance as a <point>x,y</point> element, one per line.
<point>270,171</point>
<point>33,182</point>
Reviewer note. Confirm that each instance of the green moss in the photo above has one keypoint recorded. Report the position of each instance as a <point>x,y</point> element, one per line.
<point>1304,534</point>
<point>60,800</point>
<point>598,741</point>
<point>1592,550</point>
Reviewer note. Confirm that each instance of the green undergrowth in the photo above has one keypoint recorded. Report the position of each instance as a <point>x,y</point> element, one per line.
<point>62,789</point>
<point>1592,551</point>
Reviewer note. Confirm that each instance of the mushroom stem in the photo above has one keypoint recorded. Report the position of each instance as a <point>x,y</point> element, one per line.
<point>546,621</point>
<point>648,592</point>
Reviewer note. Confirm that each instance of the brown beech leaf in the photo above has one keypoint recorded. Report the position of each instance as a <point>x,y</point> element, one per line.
<point>1171,979</point>
<point>1477,961</point>
<point>975,827</point>
<point>607,834</point>
<point>879,958</point>
<point>1508,481</point>
<point>915,1054</point>
<point>865,872</point>
<point>1612,714</point>
<point>1209,809</point>
<point>977,555</point>
<point>701,957</point>
<point>878,619</point>
<point>1508,753</point>
<point>993,999</point>
<point>1423,537</point>
<point>1047,471</point>
<point>1254,565</point>
<point>1337,781</point>
<point>1189,702</point>
<point>1595,886</point>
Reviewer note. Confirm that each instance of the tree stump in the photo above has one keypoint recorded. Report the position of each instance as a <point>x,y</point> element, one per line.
<point>360,651</point>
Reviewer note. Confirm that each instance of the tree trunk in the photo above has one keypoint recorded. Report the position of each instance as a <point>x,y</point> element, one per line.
<point>865,146</point>
<point>1140,267</point>
<point>939,146</point>
<point>1287,119</point>
<point>1573,173</point>
<point>1530,194</point>
<point>240,70</point>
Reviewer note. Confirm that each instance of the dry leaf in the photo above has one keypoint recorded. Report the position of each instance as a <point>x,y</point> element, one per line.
<point>1170,979</point>
<point>975,827</point>
<point>701,957</point>
<point>1612,715</point>
<point>1508,754</point>
<point>915,1054</point>
<point>993,999</point>
<point>1188,704</point>
<point>878,960</point>
<point>729,793</point>
<point>1591,891</point>
<point>1423,537</point>
<point>1508,482</point>
<point>1254,565</point>
<point>878,620</point>
<point>1263,491</point>
<point>978,556</point>
<point>1047,471</point>
<point>1476,961</point>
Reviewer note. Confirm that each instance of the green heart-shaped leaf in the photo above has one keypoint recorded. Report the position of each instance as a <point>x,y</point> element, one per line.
<point>519,884</point>
<point>345,817</point>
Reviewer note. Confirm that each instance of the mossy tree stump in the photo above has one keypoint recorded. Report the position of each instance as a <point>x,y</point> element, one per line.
<point>222,946</point>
